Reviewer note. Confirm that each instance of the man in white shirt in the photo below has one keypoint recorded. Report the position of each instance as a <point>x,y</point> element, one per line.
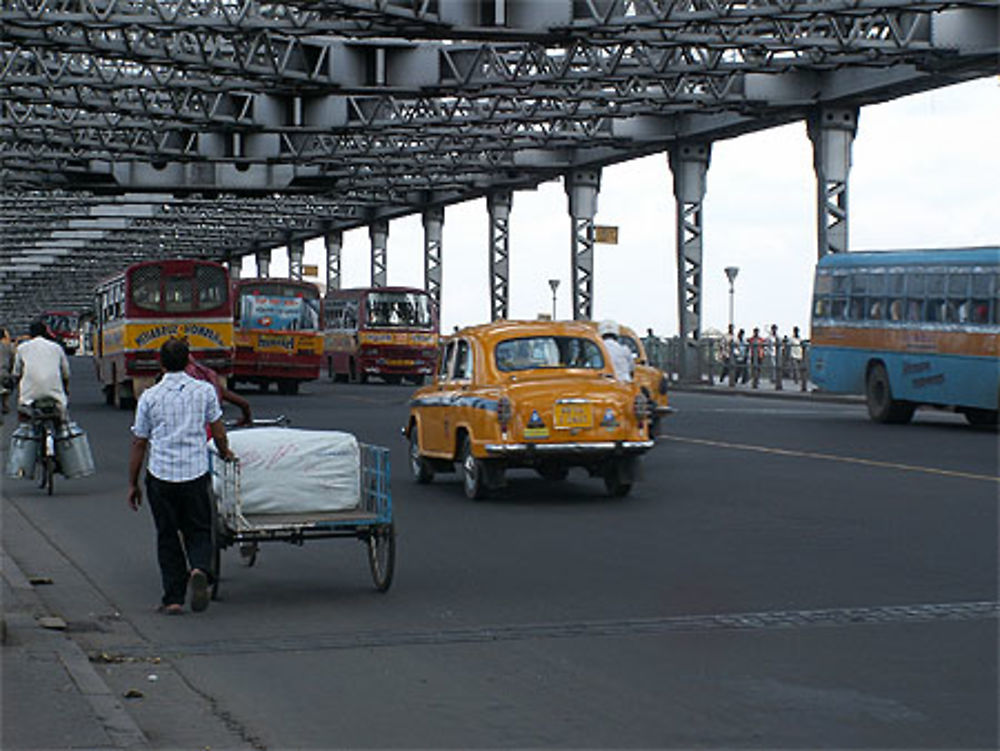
<point>621,357</point>
<point>170,421</point>
<point>42,369</point>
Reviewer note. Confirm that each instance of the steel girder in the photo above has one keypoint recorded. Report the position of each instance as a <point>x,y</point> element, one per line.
<point>218,127</point>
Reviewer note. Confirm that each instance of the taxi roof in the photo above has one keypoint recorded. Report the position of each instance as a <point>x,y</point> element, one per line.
<point>507,329</point>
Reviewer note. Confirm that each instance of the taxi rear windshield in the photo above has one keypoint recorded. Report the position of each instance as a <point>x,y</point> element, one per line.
<point>530,353</point>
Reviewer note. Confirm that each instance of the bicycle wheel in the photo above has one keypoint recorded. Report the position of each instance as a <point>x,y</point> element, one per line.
<point>50,474</point>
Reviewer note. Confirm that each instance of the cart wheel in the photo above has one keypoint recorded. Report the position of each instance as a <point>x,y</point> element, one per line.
<point>382,555</point>
<point>248,552</point>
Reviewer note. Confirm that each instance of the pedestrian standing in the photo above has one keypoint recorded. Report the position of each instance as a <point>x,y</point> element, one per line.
<point>726,356</point>
<point>651,342</point>
<point>170,421</point>
<point>777,361</point>
<point>795,355</point>
<point>756,346</point>
<point>740,356</point>
<point>6,368</point>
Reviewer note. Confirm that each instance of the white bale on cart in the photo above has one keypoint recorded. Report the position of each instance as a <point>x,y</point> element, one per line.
<point>290,471</point>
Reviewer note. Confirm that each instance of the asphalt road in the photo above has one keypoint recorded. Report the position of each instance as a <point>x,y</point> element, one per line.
<point>786,574</point>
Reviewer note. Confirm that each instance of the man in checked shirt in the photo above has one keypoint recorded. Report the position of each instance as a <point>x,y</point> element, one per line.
<point>170,422</point>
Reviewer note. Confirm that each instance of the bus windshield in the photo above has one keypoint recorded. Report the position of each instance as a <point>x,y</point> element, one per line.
<point>179,291</point>
<point>405,310</point>
<point>279,307</point>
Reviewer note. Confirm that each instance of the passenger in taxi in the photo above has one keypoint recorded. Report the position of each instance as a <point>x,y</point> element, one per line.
<point>621,358</point>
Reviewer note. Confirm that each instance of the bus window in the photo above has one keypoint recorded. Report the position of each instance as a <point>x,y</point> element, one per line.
<point>824,283</point>
<point>996,299</point>
<point>351,315</point>
<point>821,308</point>
<point>177,293</point>
<point>915,293</point>
<point>146,288</point>
<point>896,310</point>
<point>211,283</point>
<point>958,297</point>
<point>980,302</point>
<point>856,309</point>
<point>838,309</point>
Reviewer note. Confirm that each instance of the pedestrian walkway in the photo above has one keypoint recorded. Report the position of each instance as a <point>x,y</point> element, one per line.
<point>766,389</point>
<point>52,696</point>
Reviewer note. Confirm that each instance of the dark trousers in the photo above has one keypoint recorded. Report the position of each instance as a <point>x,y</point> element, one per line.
<point>183,517</point>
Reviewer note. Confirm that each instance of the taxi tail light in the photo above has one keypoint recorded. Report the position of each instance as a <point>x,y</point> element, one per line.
<point>641,408</point>
<point>504,413</point>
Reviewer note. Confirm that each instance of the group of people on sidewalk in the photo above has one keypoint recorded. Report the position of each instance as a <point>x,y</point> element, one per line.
<point>746,360</point>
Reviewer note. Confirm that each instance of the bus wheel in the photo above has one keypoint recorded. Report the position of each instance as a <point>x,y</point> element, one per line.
<point>881,406</point>
<point>983,417</point>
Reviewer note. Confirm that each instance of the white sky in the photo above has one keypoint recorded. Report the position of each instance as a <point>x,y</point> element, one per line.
<point>925,173</point>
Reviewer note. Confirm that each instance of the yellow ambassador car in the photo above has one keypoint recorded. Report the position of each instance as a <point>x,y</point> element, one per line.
<point>652,381</point>
<point>535,394</point>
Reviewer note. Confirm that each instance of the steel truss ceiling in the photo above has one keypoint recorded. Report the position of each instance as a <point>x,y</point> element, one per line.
<point>139,128</point>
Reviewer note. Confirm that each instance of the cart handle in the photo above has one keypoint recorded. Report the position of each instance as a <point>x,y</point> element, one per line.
<point>263,422</point>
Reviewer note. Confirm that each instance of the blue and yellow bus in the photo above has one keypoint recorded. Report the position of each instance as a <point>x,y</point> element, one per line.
<point>910,328</point>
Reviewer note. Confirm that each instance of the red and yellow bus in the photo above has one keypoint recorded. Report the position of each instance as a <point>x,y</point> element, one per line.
<point>278,333</point>
<point>387,332</point>
<point>65,327</point>
<point>138,309</point>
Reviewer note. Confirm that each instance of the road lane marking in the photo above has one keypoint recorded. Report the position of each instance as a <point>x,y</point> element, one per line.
<point>829,457</point>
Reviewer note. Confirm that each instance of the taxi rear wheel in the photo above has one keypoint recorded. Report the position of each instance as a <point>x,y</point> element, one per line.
<point>473,471</point>
<point>617,479</point>
<point>420,468</point>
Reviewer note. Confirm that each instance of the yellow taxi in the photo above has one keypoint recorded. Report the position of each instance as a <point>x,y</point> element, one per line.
<point>536,394</point>
<point>652,381</point>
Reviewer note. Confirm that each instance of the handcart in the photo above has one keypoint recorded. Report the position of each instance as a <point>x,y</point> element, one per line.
<point>371,522</point>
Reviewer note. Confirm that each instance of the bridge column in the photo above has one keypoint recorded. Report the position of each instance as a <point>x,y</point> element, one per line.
<point>263,263</point>
<point>235,264</point>
<point>498,204</point>
<point>582,188</point>
<point>378,231</point>
<point>334,241</point>
<point>689,165</point>
<point>433,232</point>
<point>832,131</point>
<point>296,250</point>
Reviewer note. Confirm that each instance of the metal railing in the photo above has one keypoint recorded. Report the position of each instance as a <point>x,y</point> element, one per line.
<point>709,361</point>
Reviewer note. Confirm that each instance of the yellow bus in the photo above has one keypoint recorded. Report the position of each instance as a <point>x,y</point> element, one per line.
<point>137,310</point>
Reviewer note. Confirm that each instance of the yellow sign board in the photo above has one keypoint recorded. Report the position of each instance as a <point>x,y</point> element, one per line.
<point>607,235</point>
<point>310,269</point>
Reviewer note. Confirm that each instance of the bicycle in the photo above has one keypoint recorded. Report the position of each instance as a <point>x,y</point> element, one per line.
<point>45,418</point>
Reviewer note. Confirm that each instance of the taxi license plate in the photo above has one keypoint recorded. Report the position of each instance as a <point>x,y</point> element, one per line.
<point>571,416</point>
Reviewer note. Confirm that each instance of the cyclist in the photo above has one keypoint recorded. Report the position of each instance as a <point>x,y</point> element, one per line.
<point>42,371</point>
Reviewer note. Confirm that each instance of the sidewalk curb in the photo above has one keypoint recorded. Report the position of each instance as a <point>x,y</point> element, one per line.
<point>768,393</point>
<point>118,725</point>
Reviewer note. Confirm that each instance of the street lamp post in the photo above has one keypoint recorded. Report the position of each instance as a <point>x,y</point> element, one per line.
<point>554,283</point>
<point>731,272</point>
